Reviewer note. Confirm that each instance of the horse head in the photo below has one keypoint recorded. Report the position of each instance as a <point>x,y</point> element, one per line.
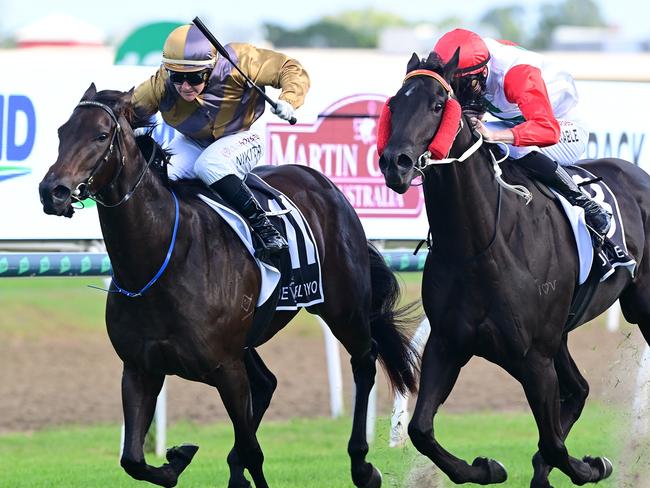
<point>422,118</point>
<point>90,150</point>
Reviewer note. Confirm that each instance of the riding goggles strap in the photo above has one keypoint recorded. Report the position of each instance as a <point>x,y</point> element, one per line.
<point>471,69</point>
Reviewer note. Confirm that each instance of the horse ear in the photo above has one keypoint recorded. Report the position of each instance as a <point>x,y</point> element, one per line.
<point>90,92</point>
<point>432,59</point>
<point>451,66</point>
<point>414,63</point>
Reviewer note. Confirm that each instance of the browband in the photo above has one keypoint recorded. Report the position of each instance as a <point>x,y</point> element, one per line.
<point>430,74</point>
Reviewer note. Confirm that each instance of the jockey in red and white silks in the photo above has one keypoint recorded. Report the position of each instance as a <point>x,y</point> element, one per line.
<point>541,99</point>
<point>535,103</point>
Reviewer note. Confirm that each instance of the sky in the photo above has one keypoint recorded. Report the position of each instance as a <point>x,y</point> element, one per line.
<point>117,17</point>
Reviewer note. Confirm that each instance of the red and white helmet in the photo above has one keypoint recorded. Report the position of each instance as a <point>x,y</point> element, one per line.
<point>474,54</point>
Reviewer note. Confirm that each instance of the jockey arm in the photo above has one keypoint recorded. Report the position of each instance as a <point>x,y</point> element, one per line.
<point>270,68</point>
<point>524,86</point>
<point>146,97</point>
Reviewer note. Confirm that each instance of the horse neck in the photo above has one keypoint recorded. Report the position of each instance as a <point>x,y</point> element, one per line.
<point>462,200</point>
<point>136,232</point>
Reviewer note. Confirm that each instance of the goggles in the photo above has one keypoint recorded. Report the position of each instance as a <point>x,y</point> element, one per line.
<point>193,77</point>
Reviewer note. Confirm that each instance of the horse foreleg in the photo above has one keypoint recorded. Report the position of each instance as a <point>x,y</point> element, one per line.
<point>438,374</point>
<point>139,393</point>
<point>574,390</point>
<point>263,384</point>
<point>231,379</point>
<point>540,383</point>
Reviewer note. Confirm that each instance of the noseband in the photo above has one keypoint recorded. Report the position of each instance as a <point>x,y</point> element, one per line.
<point>82,190</point>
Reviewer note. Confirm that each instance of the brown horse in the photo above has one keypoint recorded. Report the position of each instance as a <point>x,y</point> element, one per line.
<point>193,318</point>
<point>486,282</point>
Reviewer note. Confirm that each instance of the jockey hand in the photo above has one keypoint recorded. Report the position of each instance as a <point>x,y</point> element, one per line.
<point>283,109</point>
<point>478,126</point>
<point>503,135</point>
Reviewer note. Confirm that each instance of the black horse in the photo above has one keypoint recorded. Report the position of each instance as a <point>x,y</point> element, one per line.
<point>193,321</point>
<point>490,256</point>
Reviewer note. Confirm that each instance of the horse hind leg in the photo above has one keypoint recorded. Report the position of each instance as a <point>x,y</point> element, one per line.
<point>635,305</point>
<point>353,331</point>
<point>263,384</point>
<point>440,368</point>
<point>574,390</point>
<point>539,379</point>
<point>139,393</point>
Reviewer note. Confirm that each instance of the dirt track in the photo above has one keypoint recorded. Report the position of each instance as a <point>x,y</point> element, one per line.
<point>73,379</point>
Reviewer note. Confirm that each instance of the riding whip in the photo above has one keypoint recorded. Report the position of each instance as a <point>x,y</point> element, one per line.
<point>222,50</point>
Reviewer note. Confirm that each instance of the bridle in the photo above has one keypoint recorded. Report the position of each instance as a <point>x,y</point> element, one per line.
<point>82,191</point>
<point>425,160</point>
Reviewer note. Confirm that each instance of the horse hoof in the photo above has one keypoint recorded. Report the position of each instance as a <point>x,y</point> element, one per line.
<point>496,471</point>
<point>180,456</point>
<point>375,479</point>
<point>602,464</point>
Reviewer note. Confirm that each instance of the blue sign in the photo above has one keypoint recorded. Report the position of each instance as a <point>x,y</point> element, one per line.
<point>11,149</point>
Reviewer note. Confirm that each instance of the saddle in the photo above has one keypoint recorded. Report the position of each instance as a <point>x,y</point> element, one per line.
<point>289,281</point>
<point>608,253</point>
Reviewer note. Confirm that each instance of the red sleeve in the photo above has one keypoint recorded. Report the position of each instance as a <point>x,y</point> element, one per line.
<point>525,86</point>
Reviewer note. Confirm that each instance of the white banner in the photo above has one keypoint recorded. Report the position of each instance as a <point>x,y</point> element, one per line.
<point>345,85</point>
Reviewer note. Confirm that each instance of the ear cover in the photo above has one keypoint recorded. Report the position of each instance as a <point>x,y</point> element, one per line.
<point>383,128</point>
<point>444,138</point>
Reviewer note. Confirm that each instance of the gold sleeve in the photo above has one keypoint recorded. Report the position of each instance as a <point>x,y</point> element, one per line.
<point>270,68</point>
<point>146,97</point>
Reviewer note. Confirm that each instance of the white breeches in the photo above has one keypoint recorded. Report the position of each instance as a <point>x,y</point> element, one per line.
<point>234,154</point>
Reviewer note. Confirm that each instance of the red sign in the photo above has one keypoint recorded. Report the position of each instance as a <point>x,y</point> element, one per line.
<point>342,144</point>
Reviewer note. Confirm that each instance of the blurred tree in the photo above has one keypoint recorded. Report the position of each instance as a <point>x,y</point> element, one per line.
<point>318,34</point>
<point>508,21</point>
<point>353,28</point>
<point>449,23</point>
<point>584,13</point>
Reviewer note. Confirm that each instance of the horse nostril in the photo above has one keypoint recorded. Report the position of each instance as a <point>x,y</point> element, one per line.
<point>404,161</point>
<point>61,193</point>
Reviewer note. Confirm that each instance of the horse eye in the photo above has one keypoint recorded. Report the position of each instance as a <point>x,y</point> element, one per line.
<point>437,107</point>
<point>102,137</point>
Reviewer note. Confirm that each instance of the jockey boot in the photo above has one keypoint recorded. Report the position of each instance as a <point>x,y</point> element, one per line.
<point>596,216</point>
<point>236,193</point>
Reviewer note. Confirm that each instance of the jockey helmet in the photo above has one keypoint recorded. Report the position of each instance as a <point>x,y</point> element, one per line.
<point>472,71</point>
<point>474,54</point>
<point>187,49</point>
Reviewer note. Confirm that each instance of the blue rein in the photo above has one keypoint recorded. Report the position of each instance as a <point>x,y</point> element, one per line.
<point>132,294</point>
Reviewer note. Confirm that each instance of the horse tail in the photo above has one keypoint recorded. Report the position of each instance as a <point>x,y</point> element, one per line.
<point>392,327</point>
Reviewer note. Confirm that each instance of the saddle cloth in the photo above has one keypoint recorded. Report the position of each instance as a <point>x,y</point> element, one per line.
<point>295,282</point>
<point>613,253</point>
